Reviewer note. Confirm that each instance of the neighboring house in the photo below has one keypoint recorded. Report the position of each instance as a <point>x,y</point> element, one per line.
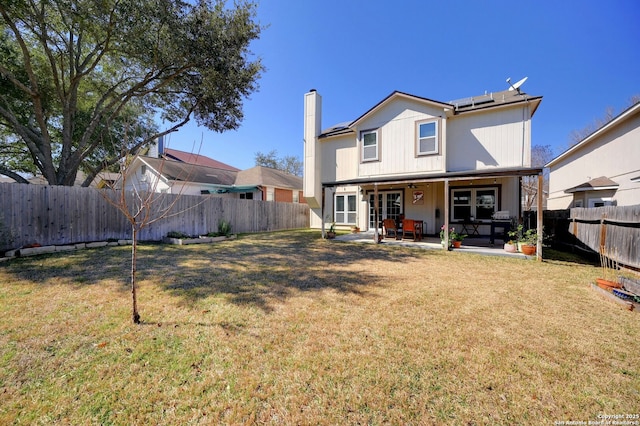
<point>180,172</point>
<point>175,177</point>
<point>276,185</point>
<point>105,180</point>
<point>602,169</point>
<point>439,162</point>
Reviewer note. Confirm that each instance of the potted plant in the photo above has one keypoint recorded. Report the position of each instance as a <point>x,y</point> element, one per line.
<point>443,231</point>
<point>510,246</point>
<point>331,233</point>
<point>456,238</point>
<point>515,239</point>
<point>529,242</point>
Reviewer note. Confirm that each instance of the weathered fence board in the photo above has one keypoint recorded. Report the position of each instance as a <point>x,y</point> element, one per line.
<point>57,215</point>
<point>612,230</point>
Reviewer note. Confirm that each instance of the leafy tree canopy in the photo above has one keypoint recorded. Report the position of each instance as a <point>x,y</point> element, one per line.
<point>83,82</point>
<point>289,163</point>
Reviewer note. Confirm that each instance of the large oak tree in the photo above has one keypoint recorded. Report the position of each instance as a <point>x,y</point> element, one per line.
<point>84,82</point>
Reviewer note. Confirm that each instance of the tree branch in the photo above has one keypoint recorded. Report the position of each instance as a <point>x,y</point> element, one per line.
<point>13,175</point>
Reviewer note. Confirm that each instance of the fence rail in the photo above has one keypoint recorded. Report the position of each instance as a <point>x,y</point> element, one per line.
<point>612,230</point>
<point>58,215</point>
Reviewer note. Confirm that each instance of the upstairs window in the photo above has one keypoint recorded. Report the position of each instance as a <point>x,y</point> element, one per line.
<point>370,145</point>
<point>427,138</point>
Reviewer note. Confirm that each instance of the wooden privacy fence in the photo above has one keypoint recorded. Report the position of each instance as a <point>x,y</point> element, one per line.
<point>612,230</point>
<point>58,215</point>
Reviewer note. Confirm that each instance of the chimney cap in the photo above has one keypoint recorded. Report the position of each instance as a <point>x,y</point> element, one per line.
<point>312,90</point>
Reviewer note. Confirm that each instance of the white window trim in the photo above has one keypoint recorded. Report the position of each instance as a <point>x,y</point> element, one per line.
<point>473,205</point>
<point>436,136</point>
<point>346,212</point>
<point>608,201</point>
<point>377,145</point>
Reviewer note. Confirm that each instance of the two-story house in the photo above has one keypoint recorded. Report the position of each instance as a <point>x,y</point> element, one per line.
<point>444,163</point>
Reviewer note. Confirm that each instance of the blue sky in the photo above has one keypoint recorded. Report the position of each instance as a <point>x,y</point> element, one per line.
<point>581,56</point>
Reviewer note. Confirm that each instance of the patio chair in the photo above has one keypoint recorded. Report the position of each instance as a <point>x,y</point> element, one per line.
<point>389,226</point>
<point>412,227</point>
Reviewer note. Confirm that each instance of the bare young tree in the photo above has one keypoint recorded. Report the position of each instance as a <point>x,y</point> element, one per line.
<point>540,155</point>
<point>576,136</point>
<point>141,205</point>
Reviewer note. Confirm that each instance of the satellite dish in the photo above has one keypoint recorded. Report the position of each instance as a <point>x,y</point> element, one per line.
<point>516,85</point>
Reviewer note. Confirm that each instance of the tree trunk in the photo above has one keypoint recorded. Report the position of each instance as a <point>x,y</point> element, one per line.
<point>134,252</point>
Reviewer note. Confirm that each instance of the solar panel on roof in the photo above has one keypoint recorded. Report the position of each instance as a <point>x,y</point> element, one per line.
<point>472,101</point>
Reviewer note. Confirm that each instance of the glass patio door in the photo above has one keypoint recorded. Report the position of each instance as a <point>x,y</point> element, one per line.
<point>389,207</point>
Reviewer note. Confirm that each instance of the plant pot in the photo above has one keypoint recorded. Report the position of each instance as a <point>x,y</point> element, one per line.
<point>528,249</point>
<point>607,285</point>
<point>510,248</point>
<point>457,244</point>
<point>331,235</point>
<point>355,229</point>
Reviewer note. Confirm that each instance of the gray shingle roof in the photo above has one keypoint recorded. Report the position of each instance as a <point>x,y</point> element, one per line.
<point>260,175</point>
<point>179,171</point>
<point>596,184</point>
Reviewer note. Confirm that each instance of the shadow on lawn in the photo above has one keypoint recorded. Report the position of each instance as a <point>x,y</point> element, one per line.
<point>253,270</point>
<point>257,270</point>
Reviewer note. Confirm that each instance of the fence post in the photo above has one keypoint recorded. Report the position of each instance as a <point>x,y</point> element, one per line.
<point>603,234</point>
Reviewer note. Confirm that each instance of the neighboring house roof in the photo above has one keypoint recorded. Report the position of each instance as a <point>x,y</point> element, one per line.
<point>201,160</point>
<point>597,184</point>
<point>460,106</point>
<point>622,117</point>
<point>105,180</point>
<point>179,171</point>
<point>265,176</point>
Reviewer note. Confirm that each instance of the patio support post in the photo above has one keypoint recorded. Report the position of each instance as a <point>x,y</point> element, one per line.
<point>446,214</point>
<point>324,235</point>
<point>375,214</point>
<point>539,224</point>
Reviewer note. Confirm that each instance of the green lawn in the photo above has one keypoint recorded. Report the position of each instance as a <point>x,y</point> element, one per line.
<point>286,328</point>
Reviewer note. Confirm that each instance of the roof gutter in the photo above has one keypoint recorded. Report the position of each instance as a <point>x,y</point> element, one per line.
<point>451,176</point>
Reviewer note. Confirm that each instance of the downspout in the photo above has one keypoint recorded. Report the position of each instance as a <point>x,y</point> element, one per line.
<point>324,235</point>
<point>540,224</point>
<point>375,214</point>
<point>446,215</point>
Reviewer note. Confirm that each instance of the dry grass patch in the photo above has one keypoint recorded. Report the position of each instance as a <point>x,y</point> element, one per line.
<point>285,328</point>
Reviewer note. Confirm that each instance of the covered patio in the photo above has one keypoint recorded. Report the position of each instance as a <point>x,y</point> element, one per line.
<point>438,205</point>
<point>470,245</point>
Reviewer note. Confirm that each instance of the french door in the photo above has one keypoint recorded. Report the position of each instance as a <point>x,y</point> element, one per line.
<point>389,207</point>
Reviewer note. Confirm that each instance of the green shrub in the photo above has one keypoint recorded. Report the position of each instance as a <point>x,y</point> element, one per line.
<point>177,234</point>
<point>224,228</point>
<point>7,237</point>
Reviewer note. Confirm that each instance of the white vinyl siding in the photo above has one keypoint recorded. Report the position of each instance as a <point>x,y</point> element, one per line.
<point>370,141</point>
<point>427,140</point>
